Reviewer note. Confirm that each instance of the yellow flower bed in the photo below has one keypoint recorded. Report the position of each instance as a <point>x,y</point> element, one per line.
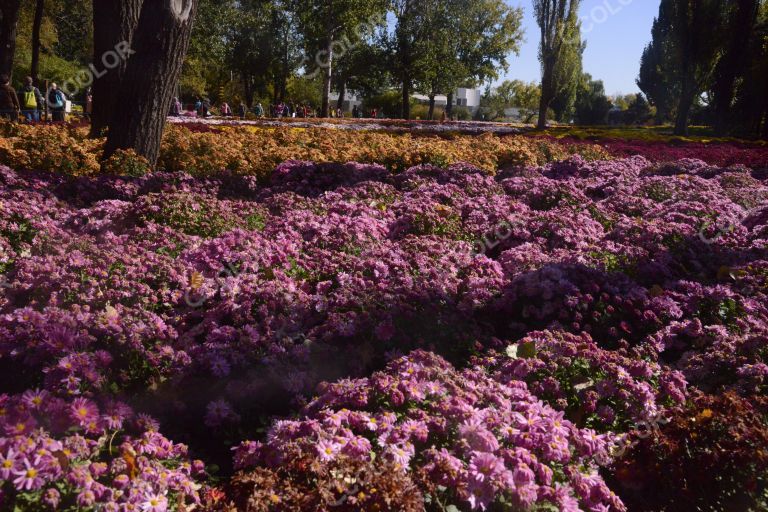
<point>257,151</point>
<point>49,148</point>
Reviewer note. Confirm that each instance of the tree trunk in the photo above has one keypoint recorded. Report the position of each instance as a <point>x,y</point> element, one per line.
<point>327,81</point>
<point>282,79</point>
<point>9,22</point>
<point>449,106</point>
<point>36,25</point>
<point>722,111</point>
<point>765,125</point>
<point>161,41</point>
<point>431,114</point>
<point>114,22</point>
<point>684,109</point>
<point>406,106</point>
<point>248,90</point>
<point>546,95</point>
<point>283,88</point>
<point>543,107</point>
<point>342,95</point>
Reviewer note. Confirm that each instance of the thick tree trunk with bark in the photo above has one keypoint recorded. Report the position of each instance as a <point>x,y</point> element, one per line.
<point>681,122</point>
<point>160,43</point>
<point>547,95</point>
<point>544,103</point>
<point>36,26</point>
<point>9,22</point>
<point>543,107</point>
<point>687,95</point>
<point>114,23</point>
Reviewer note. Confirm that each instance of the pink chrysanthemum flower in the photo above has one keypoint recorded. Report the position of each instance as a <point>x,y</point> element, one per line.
<point>83,411</point>
<point>327,450</point>
<point>28,478</point>
<point>154,503</point>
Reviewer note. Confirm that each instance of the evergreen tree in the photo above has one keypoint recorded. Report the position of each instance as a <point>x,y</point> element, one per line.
<point>751,103</point>
<point>740,25</point>
<point>657,79</point>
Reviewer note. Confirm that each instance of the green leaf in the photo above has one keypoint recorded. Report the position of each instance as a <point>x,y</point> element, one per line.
<point>526,349</point>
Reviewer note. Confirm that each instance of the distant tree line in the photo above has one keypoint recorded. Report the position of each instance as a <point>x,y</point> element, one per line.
<point>707,61</point>
<point>275,50</point>
<point>587,104</point>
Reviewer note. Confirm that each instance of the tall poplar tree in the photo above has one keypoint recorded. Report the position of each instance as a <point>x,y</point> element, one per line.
<point>560,45</point>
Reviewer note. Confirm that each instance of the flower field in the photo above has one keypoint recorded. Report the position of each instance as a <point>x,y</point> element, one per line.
<point>202,149</point>
<point>304,319</point>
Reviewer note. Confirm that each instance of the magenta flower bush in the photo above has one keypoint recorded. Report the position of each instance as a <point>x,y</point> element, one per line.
<point>75,454</point>
<point>601,389</point>
<point>595,295</point>
<point>473,441</point>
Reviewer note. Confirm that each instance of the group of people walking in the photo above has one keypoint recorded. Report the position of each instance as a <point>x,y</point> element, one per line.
<point>30,103</point>
<point>204,108</point>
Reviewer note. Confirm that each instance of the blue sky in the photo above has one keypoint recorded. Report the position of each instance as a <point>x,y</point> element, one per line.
<point>616,32</point>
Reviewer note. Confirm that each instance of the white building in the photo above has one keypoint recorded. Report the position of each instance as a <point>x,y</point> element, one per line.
<point>466,98</point>
<point>351,100</point>
<point>441,100</point>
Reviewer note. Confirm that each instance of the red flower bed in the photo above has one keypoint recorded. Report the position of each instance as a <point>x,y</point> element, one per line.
<point>722,154</point>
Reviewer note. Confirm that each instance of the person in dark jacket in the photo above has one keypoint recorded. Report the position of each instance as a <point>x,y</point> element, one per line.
<point>9,102</point>
<point>31,100</point>
<point>57,102</point>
